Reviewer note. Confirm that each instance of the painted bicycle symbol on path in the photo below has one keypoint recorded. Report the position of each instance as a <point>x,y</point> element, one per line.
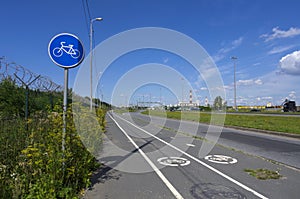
<point>58,51</point>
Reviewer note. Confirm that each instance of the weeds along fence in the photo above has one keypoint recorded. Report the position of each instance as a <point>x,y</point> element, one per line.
<point>31,159</point>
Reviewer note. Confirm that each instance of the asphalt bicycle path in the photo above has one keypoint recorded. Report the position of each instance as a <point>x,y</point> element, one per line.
<point>257,144</point>
<point>278,148</point>
<point>188,177</point>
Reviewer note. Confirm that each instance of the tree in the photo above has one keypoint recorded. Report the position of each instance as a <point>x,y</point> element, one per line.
<point>218,104</point>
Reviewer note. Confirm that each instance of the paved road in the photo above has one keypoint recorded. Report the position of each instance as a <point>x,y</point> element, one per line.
<point>160,159</point>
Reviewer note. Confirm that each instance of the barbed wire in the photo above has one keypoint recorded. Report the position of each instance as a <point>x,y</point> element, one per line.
<point>24,77</point>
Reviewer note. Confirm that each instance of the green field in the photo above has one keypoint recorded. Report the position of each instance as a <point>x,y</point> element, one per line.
<point>283,124</point>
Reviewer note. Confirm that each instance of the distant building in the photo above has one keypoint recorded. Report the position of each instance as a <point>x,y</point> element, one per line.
<point>206,102</point>
<point>187,104</point>
<point>190,104</point>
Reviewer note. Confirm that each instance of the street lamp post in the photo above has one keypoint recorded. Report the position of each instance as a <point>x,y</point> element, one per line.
<point>234,81</point>
<point>91,60</point>
<point>101,95</point>
<point>182,81</point>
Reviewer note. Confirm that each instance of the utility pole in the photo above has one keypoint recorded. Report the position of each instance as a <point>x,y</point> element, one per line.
<point>234,81</point>
<point>182,89</point>
<point>160,95</point>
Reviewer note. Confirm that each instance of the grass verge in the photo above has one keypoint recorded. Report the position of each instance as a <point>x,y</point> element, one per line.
<point>283,124</point>
<point>263,174</point>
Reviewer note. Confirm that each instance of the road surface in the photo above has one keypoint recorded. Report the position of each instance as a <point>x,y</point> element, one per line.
<point>156,158</point>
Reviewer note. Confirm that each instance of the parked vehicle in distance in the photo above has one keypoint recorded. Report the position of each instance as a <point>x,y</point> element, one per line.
<point>255,110</point>
<point>289,106</point>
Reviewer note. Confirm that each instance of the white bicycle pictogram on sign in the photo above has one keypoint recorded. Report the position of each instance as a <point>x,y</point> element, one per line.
<point>58,51</point>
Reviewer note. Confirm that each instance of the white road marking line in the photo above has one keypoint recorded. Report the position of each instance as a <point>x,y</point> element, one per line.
<point>157,171</point>
<point>202,163</point>
<point>190,145</point>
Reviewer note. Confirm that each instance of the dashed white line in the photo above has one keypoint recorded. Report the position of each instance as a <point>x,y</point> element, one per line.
<point>157,171</point>
<point>200,162</point>
<point>191,145</point>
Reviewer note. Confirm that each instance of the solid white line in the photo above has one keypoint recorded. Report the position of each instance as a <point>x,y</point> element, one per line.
<point>199,161</point>
<point>157,171</point>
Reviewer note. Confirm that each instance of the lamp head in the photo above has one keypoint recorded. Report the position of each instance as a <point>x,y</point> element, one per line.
<point>98,19</point>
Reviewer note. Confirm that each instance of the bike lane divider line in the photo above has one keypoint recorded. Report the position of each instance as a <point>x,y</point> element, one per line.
<point>157,171</point>
<point>191,145</point>
<point>200,162</point>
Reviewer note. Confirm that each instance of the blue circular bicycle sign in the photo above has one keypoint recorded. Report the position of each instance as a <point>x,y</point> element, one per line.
<point>66,50</point>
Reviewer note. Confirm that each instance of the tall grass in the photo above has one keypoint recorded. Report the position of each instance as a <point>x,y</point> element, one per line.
<point>32,164</point>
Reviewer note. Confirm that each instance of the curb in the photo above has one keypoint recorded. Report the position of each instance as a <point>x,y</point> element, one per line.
<point>291,135</point>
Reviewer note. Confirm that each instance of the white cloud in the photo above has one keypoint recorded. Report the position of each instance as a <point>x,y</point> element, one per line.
<point>290,64</point>
<point>292,95</point>
<point>234,44</point>
<point>273,87</point>
<point>258,82</point>
<point>245,82</point>
<point>267,98</point>
<point>249,82</point>
<point>280,49</point>
<point>277,33</point>
<point>218,57</point>
<point>223,51</point>
<point>227,87</point>
<point>166,60</point>
<point>249,100</point>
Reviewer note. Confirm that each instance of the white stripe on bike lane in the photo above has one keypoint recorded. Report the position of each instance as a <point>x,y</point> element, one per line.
<point>199,161</point>
<point>157,171</point>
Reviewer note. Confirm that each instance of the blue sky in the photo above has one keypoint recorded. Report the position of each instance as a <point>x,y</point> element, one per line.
<point>264,35</point>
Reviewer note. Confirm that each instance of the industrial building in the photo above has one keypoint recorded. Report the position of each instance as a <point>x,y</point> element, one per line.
<point>188,105</point>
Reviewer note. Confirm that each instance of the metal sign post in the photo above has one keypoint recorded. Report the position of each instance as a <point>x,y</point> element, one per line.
<point>65,108</point>
<point>66,51</point>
